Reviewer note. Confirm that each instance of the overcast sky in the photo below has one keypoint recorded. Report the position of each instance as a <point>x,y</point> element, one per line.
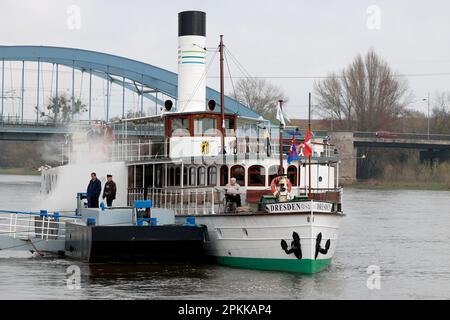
<point>269,38</point>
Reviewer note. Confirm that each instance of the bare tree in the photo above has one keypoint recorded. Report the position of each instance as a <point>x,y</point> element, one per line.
<point>440,118</point>
<point>259,95</point>
<point>365,96</point>
<point>130,114</point>
<point>61,109</point>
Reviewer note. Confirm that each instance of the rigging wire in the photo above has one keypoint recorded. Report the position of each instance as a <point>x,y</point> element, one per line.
<point>203,76</point>
<point>412,74</point>
<point>232,83</point>
<point>244,71</point>
<point>403,75</point>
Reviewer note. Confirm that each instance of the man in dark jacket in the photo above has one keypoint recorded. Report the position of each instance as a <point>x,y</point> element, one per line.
<point>93,191</point>
<point>110,191</point>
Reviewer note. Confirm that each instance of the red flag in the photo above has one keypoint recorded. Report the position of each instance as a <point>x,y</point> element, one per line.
<point>307,144</point>
<point>291,149</point>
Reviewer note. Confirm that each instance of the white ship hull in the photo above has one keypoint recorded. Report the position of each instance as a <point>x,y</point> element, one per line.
<point>254,240</point>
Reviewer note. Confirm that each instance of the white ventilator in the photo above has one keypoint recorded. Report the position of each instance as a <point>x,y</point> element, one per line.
<point>191,61</point>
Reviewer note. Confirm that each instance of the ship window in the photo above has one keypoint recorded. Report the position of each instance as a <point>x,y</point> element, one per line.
<point>238,172</point>
<point>177,176</point>
<point>256,176</point>
<point>180,126</point>
<point>201,176</point>
<point>159,176</point>
<point>148,179</point>
<point>292,174</point>
<point>131,177</point>
<point>204,124</point>
<point>229,127</point>
<point>212,176</point>
<point>273,172</point>
<point>223,175</point>
<point>229,123</point>
<point>185,177</point>
<point>139,176</point>
<point>172,176</point>
<point>192,176</point>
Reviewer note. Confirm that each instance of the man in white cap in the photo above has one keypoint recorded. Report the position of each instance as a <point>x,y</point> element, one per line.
<point>232,192</point>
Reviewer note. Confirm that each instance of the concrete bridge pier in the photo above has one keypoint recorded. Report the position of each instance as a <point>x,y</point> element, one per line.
<point>344,142</point>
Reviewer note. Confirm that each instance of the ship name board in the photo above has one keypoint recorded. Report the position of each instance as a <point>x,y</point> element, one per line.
<point>299,207</point>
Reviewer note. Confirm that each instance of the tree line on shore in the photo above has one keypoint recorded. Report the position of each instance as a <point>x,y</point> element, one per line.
<point>367,95</point>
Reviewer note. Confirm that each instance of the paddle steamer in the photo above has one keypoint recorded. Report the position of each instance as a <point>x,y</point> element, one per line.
<point>185,157</point>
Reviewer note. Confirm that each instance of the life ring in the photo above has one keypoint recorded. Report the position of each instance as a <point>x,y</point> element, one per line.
<point>273,185</point>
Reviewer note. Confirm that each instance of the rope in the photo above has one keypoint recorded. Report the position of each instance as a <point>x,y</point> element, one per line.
<point>20,245</point>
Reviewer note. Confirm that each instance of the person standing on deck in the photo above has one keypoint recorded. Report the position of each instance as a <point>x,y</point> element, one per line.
<point>232,192</point>
<point>93,191</point>
<point>109,192</point>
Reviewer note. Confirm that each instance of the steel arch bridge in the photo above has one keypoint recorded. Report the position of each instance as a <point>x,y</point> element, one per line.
<point>141,78</point>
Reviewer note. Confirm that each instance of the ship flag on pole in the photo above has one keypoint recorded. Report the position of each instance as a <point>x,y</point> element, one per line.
<point>292,152</point>
<point>280,116</point>
<point>306,145</point>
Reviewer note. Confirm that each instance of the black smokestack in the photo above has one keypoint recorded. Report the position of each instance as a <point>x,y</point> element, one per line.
<point>192,23</point>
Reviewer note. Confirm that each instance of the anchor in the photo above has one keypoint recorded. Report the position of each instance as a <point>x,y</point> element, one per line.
<point>296,248</point>
<point>319,249</point>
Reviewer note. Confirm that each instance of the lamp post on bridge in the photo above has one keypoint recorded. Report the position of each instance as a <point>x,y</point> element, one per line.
<point>428,112</point>
<point>428,115</point>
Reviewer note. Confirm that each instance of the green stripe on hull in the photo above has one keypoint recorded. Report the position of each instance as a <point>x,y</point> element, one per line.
<point>292,265</point>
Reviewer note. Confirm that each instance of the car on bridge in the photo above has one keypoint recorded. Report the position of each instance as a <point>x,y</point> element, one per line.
<point>385,134</point>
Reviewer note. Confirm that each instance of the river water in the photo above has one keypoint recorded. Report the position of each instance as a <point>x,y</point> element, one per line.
<point>403,234</point>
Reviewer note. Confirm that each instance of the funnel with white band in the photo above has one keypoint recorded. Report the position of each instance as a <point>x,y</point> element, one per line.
<point>191,61</point>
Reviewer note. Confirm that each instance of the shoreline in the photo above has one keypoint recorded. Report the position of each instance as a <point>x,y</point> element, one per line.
<point>19,172</point>
<point>385,185</point>
<point>369,184</point>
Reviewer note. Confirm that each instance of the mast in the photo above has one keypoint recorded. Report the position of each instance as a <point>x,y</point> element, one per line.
<point>281,169</point>
<point>222,94</point>
<point>309,160</point>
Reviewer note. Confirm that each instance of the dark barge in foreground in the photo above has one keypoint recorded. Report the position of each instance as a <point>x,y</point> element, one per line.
<point>133,235</point>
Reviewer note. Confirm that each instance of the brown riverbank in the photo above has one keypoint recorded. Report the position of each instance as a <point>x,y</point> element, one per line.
<point>20,171</point>
<point>393,185</point>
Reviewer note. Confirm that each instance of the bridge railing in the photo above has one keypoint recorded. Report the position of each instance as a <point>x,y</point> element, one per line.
<point>16,121</point>
<point>395,135</point>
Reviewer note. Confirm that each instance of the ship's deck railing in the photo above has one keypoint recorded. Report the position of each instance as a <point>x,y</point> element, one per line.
<point>31,225</point>
<point>138,151</point>
<point>132,150</point>
<point>209,200</point>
